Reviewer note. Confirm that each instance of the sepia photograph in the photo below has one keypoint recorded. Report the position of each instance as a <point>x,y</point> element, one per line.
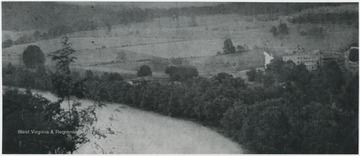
<point>116,77</point>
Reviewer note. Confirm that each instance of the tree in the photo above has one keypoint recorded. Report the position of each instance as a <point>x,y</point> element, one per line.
<point>283,29</point>
<point>266,129</point>
<point>65,86</point>
<point>37,35</point>
<point>354,55</point>
<point>316,32</point>
<point>62,81</point>
<point>221,77</point>
<point>33,57</point>
<point>314,129</point>
<point>122,56</point>
<point>240,49</point>
<point>274,31</point>
<point>228,47</point>
<point>115,77</point>
<point>24,39</point>
<point>144,70</point>
<point>89,74</point>
<point>251,74</point>
<point>234,117</point>
<point>24,111</point>
<point>7,43</point>
<point>333,79</point>
<point>59,30</point>
<point>192,21</point>
<point>350,99</point>
<point>181,73</point>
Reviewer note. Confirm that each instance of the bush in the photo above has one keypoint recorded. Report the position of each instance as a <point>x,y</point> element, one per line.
<point>33,57</point>
<point>274,31</point>
<point>228,47</point>
<point>303,33</point>
<point>144,70</point>
<point>192,21</point>
<point>240,49</point>
<point>354,55</point>
<point>317,32</point>
<point>283,29</point>
<point>24,39</point>
<point>7,43</point>
<point>23,111</point>
<point>181,73</point>
<point>266,129</point>
<point>251,74</point>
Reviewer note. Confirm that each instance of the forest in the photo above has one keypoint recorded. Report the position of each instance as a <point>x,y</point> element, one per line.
<point>38,15</point>
<point>291,110</point>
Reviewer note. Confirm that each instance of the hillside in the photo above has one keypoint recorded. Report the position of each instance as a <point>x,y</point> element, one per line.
<point>164,38</point>
<point>28,16</point>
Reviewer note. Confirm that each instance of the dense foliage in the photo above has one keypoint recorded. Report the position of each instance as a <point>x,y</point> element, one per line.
<point>327,17</point>
<point>103,16</point>
<point>144,70</point>
<point>33,57</point>
<point>281,29</point>
<point>229,48</point>
<point>27,112</point>
<point>23,111</point>
<point>181,73</point>
<point>292,110</point>
<point>354,55</point>
<point>7,43</point>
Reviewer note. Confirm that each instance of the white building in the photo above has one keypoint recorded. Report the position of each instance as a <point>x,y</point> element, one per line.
<point>311,60</point>
<point>268,58</point>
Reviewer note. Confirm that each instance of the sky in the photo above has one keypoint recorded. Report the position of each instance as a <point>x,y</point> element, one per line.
<point>165,5</point>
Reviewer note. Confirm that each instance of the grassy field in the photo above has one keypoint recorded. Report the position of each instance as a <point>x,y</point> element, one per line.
<point>165,38</point>
<point>140,132</point>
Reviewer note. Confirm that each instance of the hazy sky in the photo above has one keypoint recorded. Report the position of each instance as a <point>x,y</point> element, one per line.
<point>147,4</point>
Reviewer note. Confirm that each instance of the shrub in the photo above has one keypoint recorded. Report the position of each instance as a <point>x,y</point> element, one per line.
<point>7,43</point>
<point>144,70</point>
<point>228,47</point>
<point>33,56</point>
<point>317,32</point>
<point>251,74</point>
<point>273,30</point>
<point>23,111</point>
<point>283,29</point>
<point>181,73</point>
<point>24,39</point>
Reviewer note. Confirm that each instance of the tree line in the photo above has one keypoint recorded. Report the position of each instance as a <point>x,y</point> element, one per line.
<point>290,110</point>
<point>110,15</point>
<point>53,32</point>
<point>346,17</point>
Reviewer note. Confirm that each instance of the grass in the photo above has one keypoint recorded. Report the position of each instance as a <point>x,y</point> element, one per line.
<point>161,38</point>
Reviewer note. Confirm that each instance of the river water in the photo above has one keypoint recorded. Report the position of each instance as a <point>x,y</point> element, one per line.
<point>133,131</point>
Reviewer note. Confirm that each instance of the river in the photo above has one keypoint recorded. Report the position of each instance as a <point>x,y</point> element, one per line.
<point>141,132</point>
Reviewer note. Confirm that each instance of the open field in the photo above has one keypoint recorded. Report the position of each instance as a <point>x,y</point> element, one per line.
<point>166,38</point>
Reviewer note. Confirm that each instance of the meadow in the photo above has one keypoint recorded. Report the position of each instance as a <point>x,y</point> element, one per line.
<point>168,38</point>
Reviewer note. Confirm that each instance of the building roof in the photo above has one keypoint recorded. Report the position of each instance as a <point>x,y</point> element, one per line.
<point>313,53</point>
